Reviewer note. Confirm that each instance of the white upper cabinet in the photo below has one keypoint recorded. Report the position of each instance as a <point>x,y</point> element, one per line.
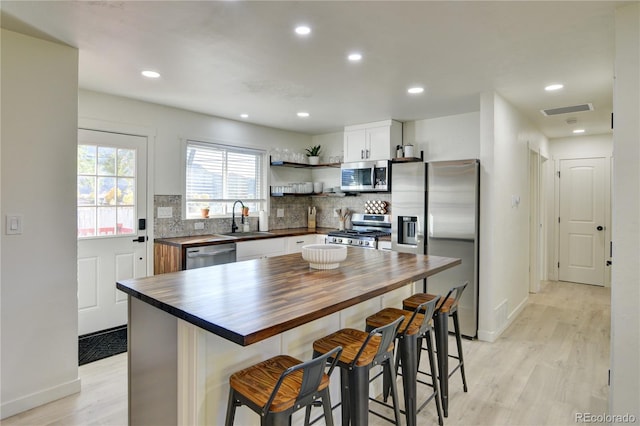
<point>372,141</point>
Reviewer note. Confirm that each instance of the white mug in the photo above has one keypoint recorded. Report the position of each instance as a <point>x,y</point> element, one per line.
<point>317,187</point>
<point>408,150</point>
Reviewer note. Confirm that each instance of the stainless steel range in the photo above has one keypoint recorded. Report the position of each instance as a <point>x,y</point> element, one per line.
<point>367,229</point>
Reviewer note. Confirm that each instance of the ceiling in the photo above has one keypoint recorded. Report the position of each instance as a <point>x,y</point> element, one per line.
<point>226,58</point>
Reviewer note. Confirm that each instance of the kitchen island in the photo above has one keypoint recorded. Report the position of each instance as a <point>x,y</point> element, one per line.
<point>189,330</point>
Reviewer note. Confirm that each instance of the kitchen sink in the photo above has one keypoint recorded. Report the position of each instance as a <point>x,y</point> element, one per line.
<point>247,234</point>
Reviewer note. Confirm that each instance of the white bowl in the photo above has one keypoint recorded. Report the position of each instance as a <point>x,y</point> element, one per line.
<point>324,256</point>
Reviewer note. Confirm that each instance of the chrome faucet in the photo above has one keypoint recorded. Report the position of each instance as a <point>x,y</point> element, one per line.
<point>234,227</point>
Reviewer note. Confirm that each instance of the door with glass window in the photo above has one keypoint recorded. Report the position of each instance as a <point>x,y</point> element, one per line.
<point>112,235</point>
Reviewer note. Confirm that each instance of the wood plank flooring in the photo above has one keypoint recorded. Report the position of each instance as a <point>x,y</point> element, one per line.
<point>550,364</point>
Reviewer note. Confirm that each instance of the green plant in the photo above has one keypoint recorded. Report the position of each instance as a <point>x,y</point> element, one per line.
<point>314,151</point>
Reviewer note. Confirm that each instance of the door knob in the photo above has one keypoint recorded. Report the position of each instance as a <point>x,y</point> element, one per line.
<point>599,228</point>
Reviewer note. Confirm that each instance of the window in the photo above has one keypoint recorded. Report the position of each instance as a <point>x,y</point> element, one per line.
<point>106,191</point>
<point>218,175</point>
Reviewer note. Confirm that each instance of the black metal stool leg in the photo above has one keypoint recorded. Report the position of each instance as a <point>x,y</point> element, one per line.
<point>359,395</point>
<point>456,325</point>
<point>344,395</point>
<point>441,328</point>
<point>231,408</point>
<point>408,359</point>
<point>391,372</point>
<point>434,380</point>
<point>326,406</point>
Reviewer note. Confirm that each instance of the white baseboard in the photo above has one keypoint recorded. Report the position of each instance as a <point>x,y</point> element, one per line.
<point>493,335</point>
<point>27,402</point>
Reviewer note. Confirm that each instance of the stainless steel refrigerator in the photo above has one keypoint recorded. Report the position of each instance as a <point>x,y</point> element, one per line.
<point>435,210</point>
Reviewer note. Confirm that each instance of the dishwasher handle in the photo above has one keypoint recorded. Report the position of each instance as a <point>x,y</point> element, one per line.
<point>195,254</point>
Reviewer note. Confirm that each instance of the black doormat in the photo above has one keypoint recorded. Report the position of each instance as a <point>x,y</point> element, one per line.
<point>102,344</point>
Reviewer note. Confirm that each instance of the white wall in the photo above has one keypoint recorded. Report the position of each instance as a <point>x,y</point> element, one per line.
<point>624,395</point>
<point>455,137</point>
<point>505,140</point>
<point>38,279</point>
<point>170,125</point>
<point>332,146</point>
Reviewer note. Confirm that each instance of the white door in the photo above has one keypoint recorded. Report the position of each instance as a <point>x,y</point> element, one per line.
<point>111,190</point>
<point>582,221</point>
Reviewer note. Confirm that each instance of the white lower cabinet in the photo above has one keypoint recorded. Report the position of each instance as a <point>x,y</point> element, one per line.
<point>258,249</point>
<point>294,244</point>
<point>269,247</point>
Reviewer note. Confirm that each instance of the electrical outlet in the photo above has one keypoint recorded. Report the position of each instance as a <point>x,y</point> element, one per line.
<point>165,212</point>
<point>335,213</point>
<point>280,212</point>
<point>198,225</point>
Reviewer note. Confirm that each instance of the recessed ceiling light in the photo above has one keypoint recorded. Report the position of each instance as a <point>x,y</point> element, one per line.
<point>354,57</point>
<point>151,74</point>
<point>415,90</point>
<point>578,131</point>
<point>303,30</point>
<point>552,87</point>
<point>303,114</point>
<point>244,115</point>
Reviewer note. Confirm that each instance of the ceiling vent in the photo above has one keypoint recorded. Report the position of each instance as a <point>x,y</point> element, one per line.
<point>566,110</point>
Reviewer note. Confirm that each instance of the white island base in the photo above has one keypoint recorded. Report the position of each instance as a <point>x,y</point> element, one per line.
<point>179,373</point>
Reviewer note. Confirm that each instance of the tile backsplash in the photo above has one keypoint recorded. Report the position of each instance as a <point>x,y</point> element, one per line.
<point>293,207</point>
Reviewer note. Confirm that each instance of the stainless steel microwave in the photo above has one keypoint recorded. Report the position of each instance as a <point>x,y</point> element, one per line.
<point>366,176</point>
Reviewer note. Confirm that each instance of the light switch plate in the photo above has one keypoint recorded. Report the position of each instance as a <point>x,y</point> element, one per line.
<point>14,224</point>
<point>165,212</point>
<point>198,225</point>
<point>280,212</point>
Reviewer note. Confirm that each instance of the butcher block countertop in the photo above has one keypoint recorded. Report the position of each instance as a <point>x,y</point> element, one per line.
<point>246,302</point>
<point>210,239</point>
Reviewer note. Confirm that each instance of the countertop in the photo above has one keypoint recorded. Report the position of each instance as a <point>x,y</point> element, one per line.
<point>211,239</point>
<point>246,302</point>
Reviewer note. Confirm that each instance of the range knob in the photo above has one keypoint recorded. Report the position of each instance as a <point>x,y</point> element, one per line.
<point>350,241</point>
<point>339,240</point>
<point>366,243</point>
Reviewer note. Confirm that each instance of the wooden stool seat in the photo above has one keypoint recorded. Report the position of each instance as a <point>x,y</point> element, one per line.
<point>387,315</point>
<point>279,386</point>
<point>351,341</point>
<point>361,351</point>
<point>258,381</point>
<point>419,298</point>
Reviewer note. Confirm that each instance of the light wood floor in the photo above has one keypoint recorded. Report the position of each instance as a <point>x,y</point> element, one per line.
<point>550,364</point>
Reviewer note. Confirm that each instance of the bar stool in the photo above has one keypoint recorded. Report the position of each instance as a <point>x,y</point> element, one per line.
<point>281,385</point>
<point>447,307</point>
<point>415,327</point>
<point>361,352</point>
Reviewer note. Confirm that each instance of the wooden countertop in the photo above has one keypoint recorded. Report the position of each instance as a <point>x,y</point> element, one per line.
<point>246,302</point>
<point>210,239</point>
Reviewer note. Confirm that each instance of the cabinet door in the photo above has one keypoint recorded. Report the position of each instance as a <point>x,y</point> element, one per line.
<point>354,145</point>
<point>379,143</point>
<point>294,244</point>
<point>258,249</point>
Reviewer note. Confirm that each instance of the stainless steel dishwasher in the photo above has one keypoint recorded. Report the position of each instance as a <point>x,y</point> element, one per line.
<point>217,254</point>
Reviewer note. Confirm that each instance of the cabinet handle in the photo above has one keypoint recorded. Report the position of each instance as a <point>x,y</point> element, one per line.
<point>367,151</point>
<point>362,154</point>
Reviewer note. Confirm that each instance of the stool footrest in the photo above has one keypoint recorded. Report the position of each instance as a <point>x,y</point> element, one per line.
<point>390,420</point>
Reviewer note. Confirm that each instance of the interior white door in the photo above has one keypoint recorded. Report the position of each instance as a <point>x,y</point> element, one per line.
<point>582,221</point>
<point>111,188</point>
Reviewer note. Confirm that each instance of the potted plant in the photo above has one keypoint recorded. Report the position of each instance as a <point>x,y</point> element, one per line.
<point>314,154</point>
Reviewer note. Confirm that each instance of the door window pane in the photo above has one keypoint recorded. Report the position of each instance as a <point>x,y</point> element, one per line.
<point>106,191</point>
